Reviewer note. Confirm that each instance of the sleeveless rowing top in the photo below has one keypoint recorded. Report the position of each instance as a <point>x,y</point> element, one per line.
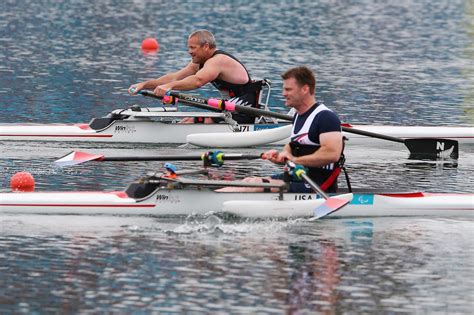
<point>245,94</point>
<point>305,137</point>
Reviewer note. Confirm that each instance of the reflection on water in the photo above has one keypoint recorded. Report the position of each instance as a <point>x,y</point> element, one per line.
<point>122,264</point>
<point>403,63</point>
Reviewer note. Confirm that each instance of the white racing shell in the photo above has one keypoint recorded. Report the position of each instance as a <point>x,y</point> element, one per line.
<point>200,201</point>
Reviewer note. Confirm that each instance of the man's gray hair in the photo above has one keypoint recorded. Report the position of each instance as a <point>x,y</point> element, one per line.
<point>204,37</point>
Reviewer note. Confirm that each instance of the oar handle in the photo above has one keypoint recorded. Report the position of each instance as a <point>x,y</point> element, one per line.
<point>149,94</point>
<point>308,180</point>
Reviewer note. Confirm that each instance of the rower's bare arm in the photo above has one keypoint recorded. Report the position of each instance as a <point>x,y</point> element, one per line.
<point>209,72</point>
<point>189,70</point>
<point>329,152</point>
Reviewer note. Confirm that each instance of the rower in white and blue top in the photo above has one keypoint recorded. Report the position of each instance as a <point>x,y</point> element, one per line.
<point>316,141</point>
<point>305,140</point>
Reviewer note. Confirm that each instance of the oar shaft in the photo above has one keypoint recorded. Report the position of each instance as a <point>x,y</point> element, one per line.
<point>371,134</point>
<point>219,105</point>
<point>260,112</point>
<point>308,180</point>
<point>211,158</point>
<point>330,205</point>
<point>185,99</point>
<point>227,157</point>
<point>152,158</point>
<point>315,187</point>
<point>225,105</point>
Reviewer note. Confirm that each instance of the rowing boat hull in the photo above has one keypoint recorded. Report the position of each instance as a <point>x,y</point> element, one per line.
<point>121,131</point>
<point>144,130</point>
<point>163,202</point>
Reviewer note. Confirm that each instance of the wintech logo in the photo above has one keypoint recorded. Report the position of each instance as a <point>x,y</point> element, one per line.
<point>167,199</point>
<point>162,197</point>
<point>119,129</point>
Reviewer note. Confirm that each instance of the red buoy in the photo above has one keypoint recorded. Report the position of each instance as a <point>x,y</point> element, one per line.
<point>22,182</point>
<point>150,44</point>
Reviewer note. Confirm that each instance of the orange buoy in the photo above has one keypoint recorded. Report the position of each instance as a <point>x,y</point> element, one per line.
<point>150,44</point>
<point>22,181</point>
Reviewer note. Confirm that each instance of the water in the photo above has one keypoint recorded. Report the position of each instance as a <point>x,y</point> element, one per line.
<point>404,63</point>
<point>125,264</point>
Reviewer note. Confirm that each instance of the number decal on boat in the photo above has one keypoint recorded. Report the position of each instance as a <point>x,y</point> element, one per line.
<point>244,128</point>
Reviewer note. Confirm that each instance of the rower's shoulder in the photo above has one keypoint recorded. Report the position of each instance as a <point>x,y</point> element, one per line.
<point>224,58</point>
<point>217,59</point>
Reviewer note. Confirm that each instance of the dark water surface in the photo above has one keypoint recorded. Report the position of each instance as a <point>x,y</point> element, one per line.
<point>404,63</point>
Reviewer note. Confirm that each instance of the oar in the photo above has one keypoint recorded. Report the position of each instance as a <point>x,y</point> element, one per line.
<point>212,158</point>
<point>332,203</point>
<point>187,99</point>
<point>420,148</point>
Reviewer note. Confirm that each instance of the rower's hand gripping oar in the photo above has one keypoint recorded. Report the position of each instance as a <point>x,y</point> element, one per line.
<point>332,203</point>
<point>420,148</point>
<point>187,99</point>
<point>211,158</point>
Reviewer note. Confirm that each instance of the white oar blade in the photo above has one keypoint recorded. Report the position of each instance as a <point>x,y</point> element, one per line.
<point>331,205</point>
<point>77,157</point>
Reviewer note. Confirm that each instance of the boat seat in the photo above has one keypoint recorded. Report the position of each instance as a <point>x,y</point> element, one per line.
<point>140,190</point>
<point>103,122</point>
